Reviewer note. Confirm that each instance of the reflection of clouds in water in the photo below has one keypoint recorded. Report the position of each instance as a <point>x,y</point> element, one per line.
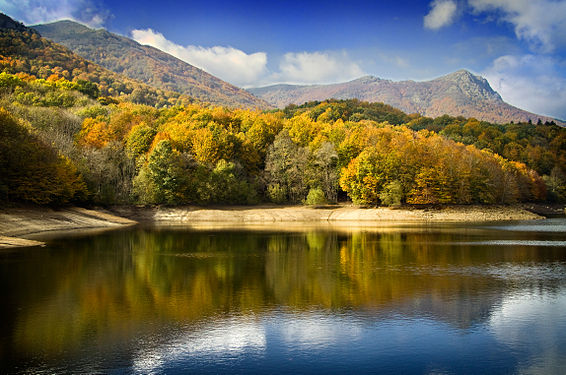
<point>317,330</point>
<point>241,336</point>
<point>534,322</point>
<point>223,337</point>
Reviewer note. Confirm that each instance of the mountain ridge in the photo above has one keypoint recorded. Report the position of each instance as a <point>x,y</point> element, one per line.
<point>148,64</point>
<point>23,50</point>
<point>460,93</point>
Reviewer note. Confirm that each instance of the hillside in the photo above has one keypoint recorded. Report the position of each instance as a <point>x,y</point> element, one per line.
<point>24,51</point>
<point>147,64</point>
<point>457,94</point>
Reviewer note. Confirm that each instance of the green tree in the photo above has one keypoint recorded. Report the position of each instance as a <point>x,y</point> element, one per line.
<point>315,197</point>
<point>556,183</point>
<point>392,194</point>
<point>324,173</point>
<point>285,167</point>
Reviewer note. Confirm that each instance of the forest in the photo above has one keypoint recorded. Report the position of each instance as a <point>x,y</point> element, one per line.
<point>26,52</point>
<point>62,141</point>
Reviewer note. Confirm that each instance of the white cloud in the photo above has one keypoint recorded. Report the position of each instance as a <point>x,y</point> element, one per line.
<point>227,63</point>
<point>316,67</point>
<point>442,13</point>
<point>43,11</point>
<point>242,69</point>
<point>542,23</point>
<point>530,82</point>
<point>529,316</point>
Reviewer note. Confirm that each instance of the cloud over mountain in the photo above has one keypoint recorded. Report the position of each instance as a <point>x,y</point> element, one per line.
<point>230,64</point>
<point>530,82</point>
<point>316,67</point>
<point>87,12</point>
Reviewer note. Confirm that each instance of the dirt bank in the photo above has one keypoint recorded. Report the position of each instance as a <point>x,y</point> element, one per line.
<point>17,222</point>
<point>273,214</point>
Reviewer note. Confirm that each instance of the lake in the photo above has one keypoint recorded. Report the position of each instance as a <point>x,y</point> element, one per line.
<point>429,299</point>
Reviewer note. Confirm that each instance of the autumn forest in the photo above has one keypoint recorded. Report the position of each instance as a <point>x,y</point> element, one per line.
<point>73,132</point>
<point>63,143</point>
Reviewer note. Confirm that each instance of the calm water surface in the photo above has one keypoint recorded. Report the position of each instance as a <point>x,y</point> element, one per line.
<point>443,299</point>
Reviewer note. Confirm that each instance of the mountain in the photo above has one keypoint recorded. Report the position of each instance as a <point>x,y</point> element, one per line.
<point>457,94</point>
<point>6,23</point>
<point>147,64</point>
<point>23,50</point>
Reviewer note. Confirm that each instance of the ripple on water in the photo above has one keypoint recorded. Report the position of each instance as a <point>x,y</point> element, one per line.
<point>544,243</point>
<point>547,226</point>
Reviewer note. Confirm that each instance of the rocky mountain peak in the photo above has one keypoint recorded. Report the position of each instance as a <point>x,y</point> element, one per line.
<point>471,85</point>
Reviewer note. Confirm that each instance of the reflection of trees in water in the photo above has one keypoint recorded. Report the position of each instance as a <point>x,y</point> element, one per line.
<point>115,286</point>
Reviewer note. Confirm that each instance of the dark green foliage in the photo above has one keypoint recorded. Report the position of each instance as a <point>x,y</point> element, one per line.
<point>227,184</point>
<point>285,165</point>
<point>88,88</point>
<point>161,180</point>
<point>323,171</point>
<point>349,110</point>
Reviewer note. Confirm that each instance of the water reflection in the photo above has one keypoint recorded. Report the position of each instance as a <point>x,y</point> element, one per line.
<point>151,300</point>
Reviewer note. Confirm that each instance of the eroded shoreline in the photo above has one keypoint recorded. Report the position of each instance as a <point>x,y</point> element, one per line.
<point>18,223</point>
<point>278,214</point>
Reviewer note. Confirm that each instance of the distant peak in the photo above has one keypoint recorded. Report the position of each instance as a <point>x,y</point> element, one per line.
<point>476,86</point>
<point>67,25</point>
<point>463,71</point>
<point>66,22</point>
<point>366,79</point>
<point>460,74</point>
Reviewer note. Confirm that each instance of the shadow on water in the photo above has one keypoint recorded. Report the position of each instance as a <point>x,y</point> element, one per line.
<point>415,300</point>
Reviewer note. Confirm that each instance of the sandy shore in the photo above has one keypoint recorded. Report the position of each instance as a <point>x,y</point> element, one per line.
<point>275,214</point>
<point>20,222</point>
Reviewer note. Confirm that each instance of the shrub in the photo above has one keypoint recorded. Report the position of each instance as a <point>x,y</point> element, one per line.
<point>315,197</point>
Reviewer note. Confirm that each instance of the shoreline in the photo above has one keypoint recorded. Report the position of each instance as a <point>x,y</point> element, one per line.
<point>18,223</point>
<point>270,214</point>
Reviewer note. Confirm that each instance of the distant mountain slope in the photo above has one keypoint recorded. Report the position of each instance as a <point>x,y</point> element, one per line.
<point>23,50</point>
<point>147,64</point>
<point>457,94</point>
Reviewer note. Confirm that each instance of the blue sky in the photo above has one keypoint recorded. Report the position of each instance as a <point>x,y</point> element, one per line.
<point>518,45</point>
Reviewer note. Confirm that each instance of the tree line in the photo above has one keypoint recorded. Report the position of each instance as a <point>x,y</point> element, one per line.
<point>120,152</point>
